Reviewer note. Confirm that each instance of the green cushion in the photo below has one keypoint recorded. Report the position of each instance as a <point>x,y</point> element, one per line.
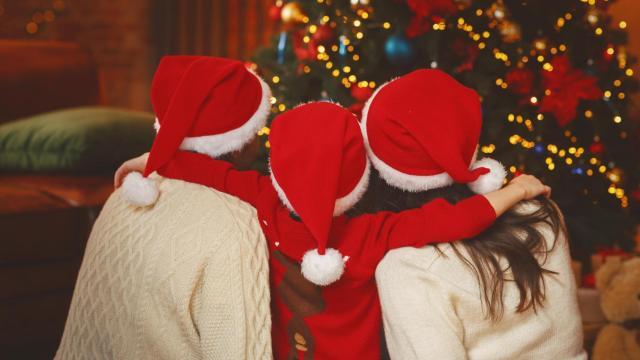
<point>79,140</point>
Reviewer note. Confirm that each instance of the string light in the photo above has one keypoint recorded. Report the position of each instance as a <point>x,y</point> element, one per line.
<point>488,149</point>
<point>569,156</point>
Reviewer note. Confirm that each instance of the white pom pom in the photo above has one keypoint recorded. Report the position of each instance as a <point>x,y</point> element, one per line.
<point>488,182</point>
<point>139,191</point>
<point>322,269</point>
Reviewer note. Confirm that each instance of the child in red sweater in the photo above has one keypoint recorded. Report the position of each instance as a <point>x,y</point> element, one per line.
<point>327,306</point>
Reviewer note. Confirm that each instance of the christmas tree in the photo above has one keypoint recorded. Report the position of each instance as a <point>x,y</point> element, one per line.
<point>554,78</point>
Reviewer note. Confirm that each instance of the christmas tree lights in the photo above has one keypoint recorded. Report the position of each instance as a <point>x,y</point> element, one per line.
<point>554,79</point>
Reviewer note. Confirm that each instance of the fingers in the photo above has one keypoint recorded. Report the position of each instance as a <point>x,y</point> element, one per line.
<point>135,164</point>
<point>532,186</point>
<point>119,175</point>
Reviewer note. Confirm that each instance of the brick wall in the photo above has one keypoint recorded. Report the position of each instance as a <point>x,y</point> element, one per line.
<point>117,32</point>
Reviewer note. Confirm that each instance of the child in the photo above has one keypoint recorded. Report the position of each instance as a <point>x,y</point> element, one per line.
<point>319,170</point>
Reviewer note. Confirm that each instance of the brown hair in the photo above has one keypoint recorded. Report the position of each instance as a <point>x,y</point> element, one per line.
<point>514,237</point>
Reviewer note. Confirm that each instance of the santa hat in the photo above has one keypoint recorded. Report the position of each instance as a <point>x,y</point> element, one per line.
<point>319,168</point>
<point>422,131</point>
<point>208,105</point>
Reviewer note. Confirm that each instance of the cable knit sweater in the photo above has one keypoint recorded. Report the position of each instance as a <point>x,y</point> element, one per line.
<point>432,310</point>
<point>185,279</point>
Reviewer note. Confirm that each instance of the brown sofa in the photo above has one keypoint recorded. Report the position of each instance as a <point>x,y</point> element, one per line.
<point>44,218</point>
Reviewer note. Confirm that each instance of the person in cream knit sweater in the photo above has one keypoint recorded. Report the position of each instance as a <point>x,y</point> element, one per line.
<point>507,293</point>
<point>435,306</point>
<point>186,279</point>
<point>172,269</point>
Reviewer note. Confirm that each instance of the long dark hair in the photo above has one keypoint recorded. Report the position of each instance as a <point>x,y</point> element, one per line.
<point>514,237</point>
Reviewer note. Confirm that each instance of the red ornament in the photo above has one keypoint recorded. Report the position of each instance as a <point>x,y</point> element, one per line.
<point>426,8</point>
<point>596,148</point>
<point>274,13</point>
<point>324,34</point>
<point>635,195</point>
<point>567,87</point>
<point>608,53</point>
<point>361,94</point>
<point>520,81</point>
<point>427,12</point>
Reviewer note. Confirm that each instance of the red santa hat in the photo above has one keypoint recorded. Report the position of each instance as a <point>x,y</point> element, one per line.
<point>208,105</point>
<point>422,131</point>
<point>319,168</point>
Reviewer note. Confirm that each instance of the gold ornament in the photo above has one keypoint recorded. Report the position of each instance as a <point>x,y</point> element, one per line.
<point>510,31</point>
<point>615,175</point>
<point>359,3</point>
<point>497,11</point>
<point>593,16</point>
<point>540,44</point>
<point>292,14</point>
<point>360,6</point>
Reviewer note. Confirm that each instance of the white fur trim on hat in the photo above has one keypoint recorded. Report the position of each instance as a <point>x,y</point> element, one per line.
<point>139,190</point>
<point>491,181</point>
<point>415,183</point>
<point>348,201</point>
<point>342,204</point>
<point>233,140</point>
<point>322,269</point>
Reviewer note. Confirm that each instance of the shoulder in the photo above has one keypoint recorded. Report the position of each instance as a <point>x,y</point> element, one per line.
<point>199,211</point>
<point>404,262</point>
<point>553,235</point>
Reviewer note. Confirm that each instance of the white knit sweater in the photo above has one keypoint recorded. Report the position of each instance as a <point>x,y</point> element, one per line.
<point>432,310</point>
<point>185,279</point>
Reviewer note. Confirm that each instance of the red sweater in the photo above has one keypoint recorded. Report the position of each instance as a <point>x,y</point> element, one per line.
<point>342,320</point>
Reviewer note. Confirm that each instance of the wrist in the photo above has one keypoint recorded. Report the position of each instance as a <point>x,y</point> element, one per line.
<point>518,190</point>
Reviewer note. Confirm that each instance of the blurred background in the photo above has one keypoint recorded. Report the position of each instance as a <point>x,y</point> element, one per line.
<point>558,81</point>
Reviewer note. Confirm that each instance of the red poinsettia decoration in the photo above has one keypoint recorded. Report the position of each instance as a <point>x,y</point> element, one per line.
<point>425,13</point>
<point>304,51</point>
<point>567,87</point>
<point>467,53</point>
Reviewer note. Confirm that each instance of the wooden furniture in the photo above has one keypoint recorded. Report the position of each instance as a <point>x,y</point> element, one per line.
<point>44,218</point>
